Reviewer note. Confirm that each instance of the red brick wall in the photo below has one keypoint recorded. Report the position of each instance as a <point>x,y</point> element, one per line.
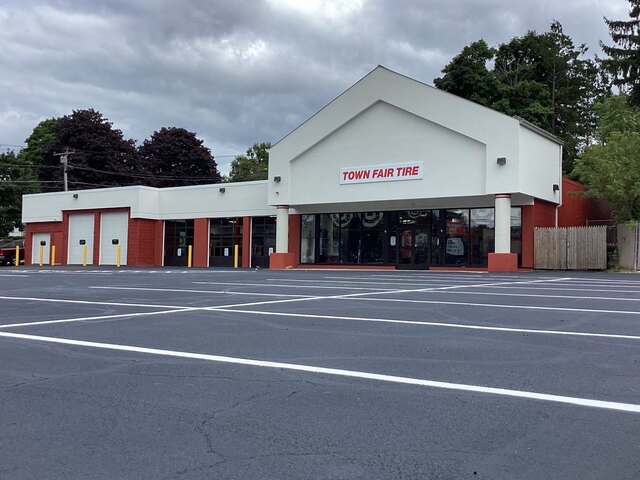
<point>246,242</point>
<point>201,242</point>
<point>58,232</point>
<point>96,238</point>
<point>144,244</point>
<point>294,236</point>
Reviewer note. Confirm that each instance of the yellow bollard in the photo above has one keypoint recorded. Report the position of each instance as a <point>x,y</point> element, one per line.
<point>189,256</point>
<point>53,255</point>
<point>118,255</point>
<point>235,256</point>
<point>17,256</point>
<point>84,256</point>
<point>41,253</point>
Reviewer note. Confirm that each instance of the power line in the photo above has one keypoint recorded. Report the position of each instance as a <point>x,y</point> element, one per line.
<point>11,145</point>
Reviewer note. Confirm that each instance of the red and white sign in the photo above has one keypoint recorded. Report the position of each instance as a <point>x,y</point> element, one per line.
<point>392,172</point>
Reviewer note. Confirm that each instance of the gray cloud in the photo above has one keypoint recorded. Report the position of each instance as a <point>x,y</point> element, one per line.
<point>243,71</point>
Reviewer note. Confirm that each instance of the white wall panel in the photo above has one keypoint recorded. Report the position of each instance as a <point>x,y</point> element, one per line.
<point>454,165</point>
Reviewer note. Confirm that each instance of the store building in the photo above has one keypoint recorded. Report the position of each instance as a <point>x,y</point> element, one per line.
<point>391,174</point>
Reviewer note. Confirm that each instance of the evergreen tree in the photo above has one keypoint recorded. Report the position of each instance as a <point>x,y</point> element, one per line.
<point>624,57</point>
<point>542,78</point>
<point>467,75</point>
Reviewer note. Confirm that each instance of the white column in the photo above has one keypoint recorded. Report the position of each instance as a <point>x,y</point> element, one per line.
<point>503,223</point>
<point>282,229</point>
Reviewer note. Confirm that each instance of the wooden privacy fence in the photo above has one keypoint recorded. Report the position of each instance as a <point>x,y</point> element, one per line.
<point>570,248</point>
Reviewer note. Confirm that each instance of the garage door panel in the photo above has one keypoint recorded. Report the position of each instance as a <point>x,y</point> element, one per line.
<point>80,230</point>
<point>113,226</point>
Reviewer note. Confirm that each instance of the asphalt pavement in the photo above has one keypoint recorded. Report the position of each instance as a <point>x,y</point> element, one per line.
<point>240,374</point>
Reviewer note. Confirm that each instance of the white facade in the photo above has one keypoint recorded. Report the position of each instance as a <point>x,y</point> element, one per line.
<point>387,118</point>
<point>200,201</point>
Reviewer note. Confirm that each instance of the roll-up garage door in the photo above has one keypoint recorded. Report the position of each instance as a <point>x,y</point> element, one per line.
<point>114,228</point>
<point>40,240</point>
<point>80,235</point>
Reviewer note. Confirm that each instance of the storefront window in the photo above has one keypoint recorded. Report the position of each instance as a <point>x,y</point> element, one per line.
<point>329,239</point>
<point>372,237</point>
<point>516,232</point>
<point>457,234</point>
<point>308,239</point>
<point>349,236</point>
<point>481,235</point>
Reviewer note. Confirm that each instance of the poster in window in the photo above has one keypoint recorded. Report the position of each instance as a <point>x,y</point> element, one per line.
<point>455,246</point>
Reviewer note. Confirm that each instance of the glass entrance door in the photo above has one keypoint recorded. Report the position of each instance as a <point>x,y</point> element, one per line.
<point>413,246</point>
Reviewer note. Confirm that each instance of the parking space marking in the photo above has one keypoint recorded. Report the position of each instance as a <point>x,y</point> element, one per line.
<point>99,317</point>
<point>539,295</point>
<point>335,287</point>
<point>498,305</point>
<point>522,394</point>
<point>88,302</point>
<point>433,324</point>
<point>560,288</point>
<point>328,317</point>
<point>184,290</point>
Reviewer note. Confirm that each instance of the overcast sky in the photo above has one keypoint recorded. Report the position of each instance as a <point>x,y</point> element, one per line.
<point>238,72</point>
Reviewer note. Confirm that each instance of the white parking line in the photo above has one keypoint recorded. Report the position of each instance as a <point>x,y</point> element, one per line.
<point>527,395</point>
<point>88,302</point>
<point>498,305</point>
<point>292,285</point>
<point>536,295</point>
<point>434,324</point>
<point>185,290</point>
<point>558,287</point>
<point>100,317</point>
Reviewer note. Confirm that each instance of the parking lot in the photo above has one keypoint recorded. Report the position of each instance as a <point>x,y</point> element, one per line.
<point>171,373</point>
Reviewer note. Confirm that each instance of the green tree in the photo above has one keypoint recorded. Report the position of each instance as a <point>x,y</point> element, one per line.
<point>541,77</point>
<point>101,158</point>
<point>610,169</point>
<point>254,165</point>
<point>175,157</point>
<point>624,56</point>
<point>43,135</point>
<point>467,75</point>
<point>16,179</point>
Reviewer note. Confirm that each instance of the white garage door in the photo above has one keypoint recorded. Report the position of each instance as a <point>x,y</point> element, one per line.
<point>113,226</point>
<point>37,241</point>
<point>80,235</point>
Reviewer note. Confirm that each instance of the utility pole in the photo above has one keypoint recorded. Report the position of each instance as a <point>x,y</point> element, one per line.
<point>64,161</point>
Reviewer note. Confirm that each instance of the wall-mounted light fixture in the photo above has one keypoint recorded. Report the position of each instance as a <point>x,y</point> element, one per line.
<point>277,178</point>
<point>556,187</point>
<point>501,161</point>
<point>75,195</point>
<point>222,190</point>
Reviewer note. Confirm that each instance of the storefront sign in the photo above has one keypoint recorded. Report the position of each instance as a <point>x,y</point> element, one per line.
<point>382,173</point>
